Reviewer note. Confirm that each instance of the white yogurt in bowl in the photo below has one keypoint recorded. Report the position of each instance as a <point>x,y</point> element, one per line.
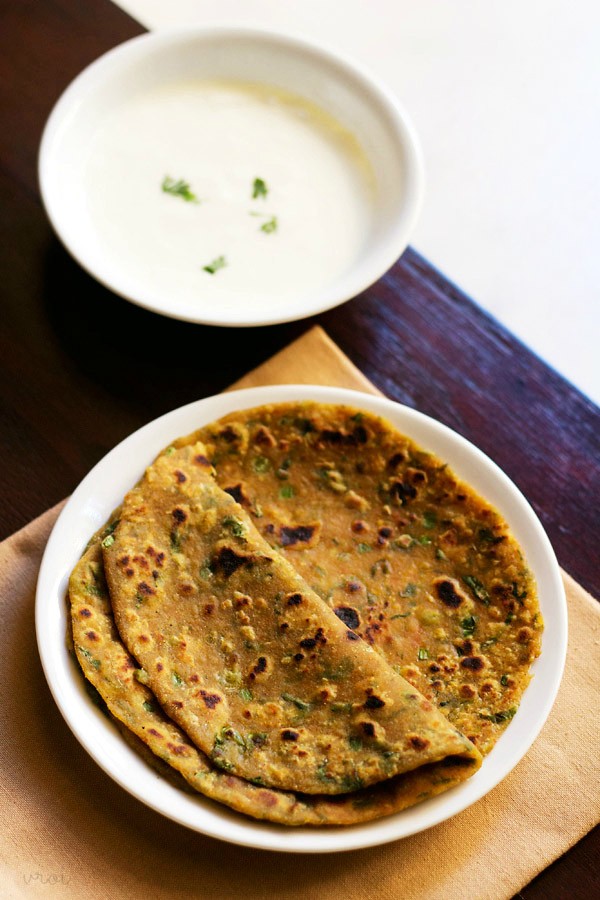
<point>229,194</point>
<point>230,176</point>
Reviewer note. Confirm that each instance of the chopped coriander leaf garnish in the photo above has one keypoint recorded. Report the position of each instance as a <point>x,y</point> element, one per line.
<point>478,589</point>
<point>259,189</point>
<point>261,464</point>
<point>270,226</point>
<point>299,704</point>
<point>235,526</point>
<point>179,188</point>
<point>90,658</point>
<point>489,643</point>
<point>468,626</point>
<point>423,653</point>
<point>503,716</point>
<point>286,492</point>
<point>219,263</point>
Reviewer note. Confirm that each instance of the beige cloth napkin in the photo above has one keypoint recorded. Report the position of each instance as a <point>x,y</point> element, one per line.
<point>67,831</point>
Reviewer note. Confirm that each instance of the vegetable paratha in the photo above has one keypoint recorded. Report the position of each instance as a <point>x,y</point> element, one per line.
<point>410,558</point>
<point>111,670</point>
<point>250,662</point>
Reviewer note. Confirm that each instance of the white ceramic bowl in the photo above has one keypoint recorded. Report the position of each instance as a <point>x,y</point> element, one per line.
<point>353,97</point>
<point>103,489</point>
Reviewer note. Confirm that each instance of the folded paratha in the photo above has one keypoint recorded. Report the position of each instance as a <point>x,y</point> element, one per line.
<point>109,667</point>
<point>410,558</point>
<point>260,673</point>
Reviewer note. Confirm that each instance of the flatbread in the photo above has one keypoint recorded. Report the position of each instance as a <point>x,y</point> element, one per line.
<point>111,671</point>
<point>250,662</point>
<point>410,558</point>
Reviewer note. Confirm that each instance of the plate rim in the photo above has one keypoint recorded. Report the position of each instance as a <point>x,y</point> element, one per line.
<point>58,560</point>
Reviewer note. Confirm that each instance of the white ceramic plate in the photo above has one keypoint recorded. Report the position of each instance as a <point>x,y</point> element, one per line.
<point>156,61</point>
<point>103,489</point>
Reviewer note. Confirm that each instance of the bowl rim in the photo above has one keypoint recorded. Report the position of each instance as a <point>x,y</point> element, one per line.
<point>362,274</point>
<point>101,491</point>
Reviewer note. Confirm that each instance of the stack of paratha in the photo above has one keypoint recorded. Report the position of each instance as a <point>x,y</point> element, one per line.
<point>296,609</point>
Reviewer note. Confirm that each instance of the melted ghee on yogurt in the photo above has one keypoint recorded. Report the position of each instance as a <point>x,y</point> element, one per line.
<point>228,197</point>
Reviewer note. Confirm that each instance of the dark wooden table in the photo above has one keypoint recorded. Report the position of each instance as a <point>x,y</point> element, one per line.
<point>80,368</point>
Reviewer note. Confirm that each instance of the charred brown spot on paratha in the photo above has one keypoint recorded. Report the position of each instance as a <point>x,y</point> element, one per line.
<point>359,526</point>
<point>227,561</point>
<point>237,491</point>
<point>384,534</point>
<point>473,663</point>
<point>178,749</point>
<point>371,632</point>
<point>229,434</point>
<point>417,743</point>
<point>264,437</point>
<point>337,436</point>
<point>449,592</point>
<point>374,702</point>
<point>402,492</point>
<point>348,615</point>
<point>309,643</point>
<point>259,668</point>
<point>396,460</point>
<point>209,699</point>
<point>299,536</point>
<point>354,586</point>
